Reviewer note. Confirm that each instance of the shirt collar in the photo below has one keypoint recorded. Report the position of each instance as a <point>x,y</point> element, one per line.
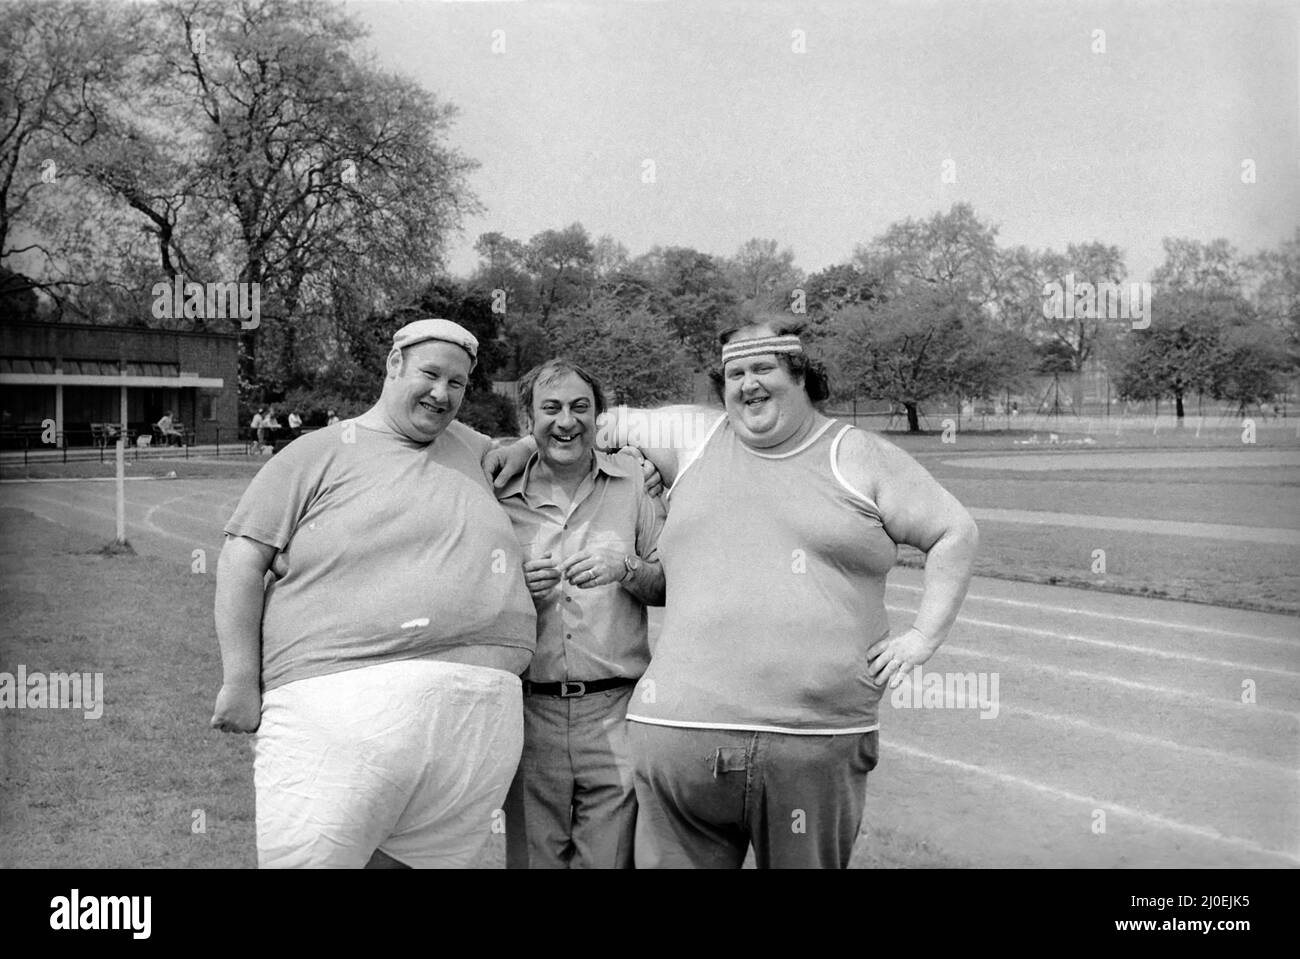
<point>611,464</point>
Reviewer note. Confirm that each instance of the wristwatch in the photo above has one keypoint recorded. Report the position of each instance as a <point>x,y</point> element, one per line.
<point>632,563</point>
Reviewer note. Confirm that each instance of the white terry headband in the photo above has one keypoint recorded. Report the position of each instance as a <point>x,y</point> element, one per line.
<point>765,344</point>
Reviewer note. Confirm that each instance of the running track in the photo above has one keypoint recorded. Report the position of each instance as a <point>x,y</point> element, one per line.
<point>1113,707</point>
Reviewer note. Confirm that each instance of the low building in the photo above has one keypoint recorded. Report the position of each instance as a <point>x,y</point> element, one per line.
<point>75,376</point>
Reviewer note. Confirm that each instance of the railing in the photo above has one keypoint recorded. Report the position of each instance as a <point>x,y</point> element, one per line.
<point>1213,426</point>
<point>100,444</point>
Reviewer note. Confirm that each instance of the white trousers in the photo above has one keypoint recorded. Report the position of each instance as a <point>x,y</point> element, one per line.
<point>412,758</point>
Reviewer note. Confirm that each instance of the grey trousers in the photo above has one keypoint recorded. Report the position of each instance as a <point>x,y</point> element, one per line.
<point>572,803</point>
<point>705,795</point>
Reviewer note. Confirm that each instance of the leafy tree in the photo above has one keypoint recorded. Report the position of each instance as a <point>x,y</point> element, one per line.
<point>689,291</point>
<point>259,145</point>
<point>1177,355</point>
<point>635,355</point>
<point>562,264</point>
<point>954,253</point>
<point>921,346</point>
<point>1252,361</point>
<point>1081,337</point>
<point>843,285</point>
<point>1205,336</point>
<point>501,267</point>
<point>1273,277</point>
<point>834,289</point>
<point>60,69</point>
<point>608,257</point>
<point>1191,266</point>
<point>764,274</point>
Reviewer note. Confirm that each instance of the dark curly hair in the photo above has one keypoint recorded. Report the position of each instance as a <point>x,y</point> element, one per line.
<point>546,373</point>
<point>800,366</point>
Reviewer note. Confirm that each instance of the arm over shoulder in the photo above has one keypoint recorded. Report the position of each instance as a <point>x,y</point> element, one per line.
<point>669,436</point>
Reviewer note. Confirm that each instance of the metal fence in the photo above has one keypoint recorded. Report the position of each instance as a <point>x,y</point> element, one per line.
<point>82,446</point>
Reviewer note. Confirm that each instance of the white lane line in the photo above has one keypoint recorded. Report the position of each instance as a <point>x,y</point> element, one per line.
<point>1293,641</point>
<point>165,505</point>
<point>1109,644</point>
<point>212,529</point>
<point>106,520</point>
<point>1182,695</point>
<point>1154,527</point>
<point>100,495</point>
<point>1151,819</point>
<point>1141,739</point>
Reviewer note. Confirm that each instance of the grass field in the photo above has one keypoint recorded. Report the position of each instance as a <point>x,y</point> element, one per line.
<point>121,790</point>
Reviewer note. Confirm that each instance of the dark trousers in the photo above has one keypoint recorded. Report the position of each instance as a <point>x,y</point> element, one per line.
<point>705,795</point>
<point>571,805</point>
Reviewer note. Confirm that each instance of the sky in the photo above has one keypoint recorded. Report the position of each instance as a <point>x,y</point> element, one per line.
<point>820,124</point>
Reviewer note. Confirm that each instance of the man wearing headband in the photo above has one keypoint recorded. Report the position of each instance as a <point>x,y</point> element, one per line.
<point>380,663</point>
<point>756,723</point>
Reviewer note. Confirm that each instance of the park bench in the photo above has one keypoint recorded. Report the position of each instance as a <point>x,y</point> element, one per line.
<point>105,434</point>
<point>161,439</point>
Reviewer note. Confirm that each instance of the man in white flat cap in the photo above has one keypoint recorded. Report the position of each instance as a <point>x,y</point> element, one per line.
<point>379,663</point>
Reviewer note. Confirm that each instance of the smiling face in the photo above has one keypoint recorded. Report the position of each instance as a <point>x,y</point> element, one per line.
<point>423,389</point>
<point>766,405</point>
<point>564,421</point>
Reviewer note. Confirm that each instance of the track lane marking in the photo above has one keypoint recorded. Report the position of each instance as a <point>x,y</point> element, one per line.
<point>1141,739</point>
<point>1182,695</point>
<point>106,521</point>
<point>1149,818</point>
<point>1111,644</point>
<point>1293,642</point>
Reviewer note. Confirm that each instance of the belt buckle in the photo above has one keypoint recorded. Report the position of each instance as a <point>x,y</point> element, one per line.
<point>581,689</point>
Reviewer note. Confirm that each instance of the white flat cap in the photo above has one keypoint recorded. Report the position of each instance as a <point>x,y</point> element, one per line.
<point>433,329</point>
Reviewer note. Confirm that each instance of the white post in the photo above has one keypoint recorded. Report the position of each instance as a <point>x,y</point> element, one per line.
<point>121,475</point>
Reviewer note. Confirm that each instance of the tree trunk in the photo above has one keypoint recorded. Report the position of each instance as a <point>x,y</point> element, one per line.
<point>1178,407</point>
<point>251,273</point>
<point>913,421</point>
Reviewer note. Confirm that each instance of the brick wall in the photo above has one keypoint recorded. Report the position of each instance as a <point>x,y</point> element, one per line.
<point>207,354</point>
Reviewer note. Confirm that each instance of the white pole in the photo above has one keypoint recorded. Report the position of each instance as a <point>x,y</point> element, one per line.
<point>121,475</point>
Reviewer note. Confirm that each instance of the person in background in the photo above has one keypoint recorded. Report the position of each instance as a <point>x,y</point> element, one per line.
<point>272,424</point>
<point>295,424</point>
<point>331,418</point>
<point>168,431</point>
<point>258,426</point>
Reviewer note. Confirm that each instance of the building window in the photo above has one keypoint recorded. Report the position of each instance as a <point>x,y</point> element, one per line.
<point>208,406</point>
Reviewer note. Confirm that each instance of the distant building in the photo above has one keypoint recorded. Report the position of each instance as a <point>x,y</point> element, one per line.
<point>74,374</point>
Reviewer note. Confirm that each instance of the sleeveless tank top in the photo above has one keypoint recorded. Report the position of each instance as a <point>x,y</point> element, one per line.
<point>776,589</point>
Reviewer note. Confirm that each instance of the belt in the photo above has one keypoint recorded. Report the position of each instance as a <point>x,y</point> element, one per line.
<point>572,688</point>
